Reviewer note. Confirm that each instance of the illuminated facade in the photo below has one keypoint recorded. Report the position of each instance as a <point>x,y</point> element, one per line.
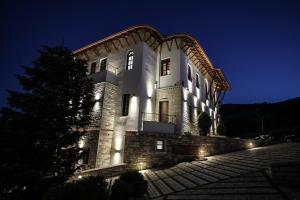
<point>146,82</point>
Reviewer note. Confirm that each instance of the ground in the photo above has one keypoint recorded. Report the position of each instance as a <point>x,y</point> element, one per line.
<point>237,175</point>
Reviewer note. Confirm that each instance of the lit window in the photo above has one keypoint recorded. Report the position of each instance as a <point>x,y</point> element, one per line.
<point>197,81</point>
<point>165,67</point>
<point>129,63</point>
<point>103,63</point>
<point>125,107</point>
<point>93,68</point>
<point>160,145</point>
<point>189,73</point>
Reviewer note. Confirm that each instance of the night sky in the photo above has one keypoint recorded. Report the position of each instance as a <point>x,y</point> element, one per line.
<point>256,43</point>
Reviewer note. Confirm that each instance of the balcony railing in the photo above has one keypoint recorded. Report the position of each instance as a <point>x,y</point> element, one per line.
<point>112,69</point>
<point>156,117</point>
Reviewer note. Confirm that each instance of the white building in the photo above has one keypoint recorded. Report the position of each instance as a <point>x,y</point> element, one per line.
<point>146,82</point>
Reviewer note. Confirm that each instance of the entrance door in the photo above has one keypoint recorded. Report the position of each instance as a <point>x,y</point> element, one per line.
<point>163,111</point>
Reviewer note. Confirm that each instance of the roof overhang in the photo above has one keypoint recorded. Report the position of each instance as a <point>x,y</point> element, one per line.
<point>149,35</point>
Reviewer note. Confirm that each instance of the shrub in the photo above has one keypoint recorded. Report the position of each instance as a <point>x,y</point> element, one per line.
<point>221,128</point>
<point>204,122</point>
<point>130,184</point>
<point>92,188</point>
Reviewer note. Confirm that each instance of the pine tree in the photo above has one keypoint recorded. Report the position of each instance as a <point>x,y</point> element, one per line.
<point>42,125</point>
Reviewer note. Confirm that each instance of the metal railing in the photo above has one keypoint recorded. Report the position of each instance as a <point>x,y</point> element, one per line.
<point>156,117</point>
<point>112,69</point>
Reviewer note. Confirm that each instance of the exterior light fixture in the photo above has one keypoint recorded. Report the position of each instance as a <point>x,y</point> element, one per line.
<point>97,97</point>
<point>250,144</point>
<point>81,144</point>
<point>79,177</point>
<point>201,155</point>
<point>155,85</point>
<point>141,165</point>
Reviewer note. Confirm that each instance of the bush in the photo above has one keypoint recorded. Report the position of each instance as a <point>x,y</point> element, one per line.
<point>92,188</point>
<point>130,184</point>
<point>204,122</point>
<point>221,128</point>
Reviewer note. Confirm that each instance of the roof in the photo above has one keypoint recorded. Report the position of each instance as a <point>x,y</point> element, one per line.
<point>154,39</point>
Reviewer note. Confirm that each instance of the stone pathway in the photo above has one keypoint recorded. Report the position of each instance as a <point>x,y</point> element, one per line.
<point>236,175</point>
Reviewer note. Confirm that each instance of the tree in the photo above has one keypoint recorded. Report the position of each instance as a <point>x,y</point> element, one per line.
<point>43,123</point>
<point>221,128</point>
<point>204,122</point>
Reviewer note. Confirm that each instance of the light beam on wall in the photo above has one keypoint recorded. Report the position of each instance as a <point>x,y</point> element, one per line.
<point>185,94</point>
<point>117,158</point>
<point>190,86</point>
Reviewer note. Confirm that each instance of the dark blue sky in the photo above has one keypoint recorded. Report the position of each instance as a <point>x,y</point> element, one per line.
<point>256,43</point>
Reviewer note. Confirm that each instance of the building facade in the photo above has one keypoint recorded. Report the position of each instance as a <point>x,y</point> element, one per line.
<point>147,83</point>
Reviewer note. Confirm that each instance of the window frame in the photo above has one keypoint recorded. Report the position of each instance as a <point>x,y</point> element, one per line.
<point>167,70</point>
<point>100,65</point>
<point>125,104</point>
<point>162,145</point>
<point>197,81</point>
<point>189,73</point>
<point>93,65</point>
<point>129,63</point>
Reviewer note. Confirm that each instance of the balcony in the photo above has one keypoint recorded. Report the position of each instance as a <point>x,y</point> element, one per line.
<point>109,74</point>
<point>158,123</point>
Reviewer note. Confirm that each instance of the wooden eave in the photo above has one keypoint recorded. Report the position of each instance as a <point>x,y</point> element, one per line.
<point>149,35</point>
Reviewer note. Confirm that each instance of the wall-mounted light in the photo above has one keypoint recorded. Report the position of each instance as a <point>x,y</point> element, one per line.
<point>155,85</point>
<point>79,177</point>
<point>97,97</point>
<point>81,144</point>
<point>141,165</point>
<point>149,97</point>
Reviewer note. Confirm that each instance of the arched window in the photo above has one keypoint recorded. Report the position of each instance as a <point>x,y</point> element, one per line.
<point>189,73</point>
<point>129,63</point>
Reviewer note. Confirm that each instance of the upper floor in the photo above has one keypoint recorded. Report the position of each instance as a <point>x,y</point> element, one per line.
<point>140,59</point>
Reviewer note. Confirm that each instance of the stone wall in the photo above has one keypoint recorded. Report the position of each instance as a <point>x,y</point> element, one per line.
<point>111,101</point>
<point>140,149</point>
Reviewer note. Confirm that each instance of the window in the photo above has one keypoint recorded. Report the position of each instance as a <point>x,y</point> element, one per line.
<point>85,156</point>
<point>206,88</point>
<point>103,64</point>
<point>93,68</point>
<point>189,73</point>
<point>197,81</point>
<point>165,67</point>
<point>125,107</point>
<point>160,145</point>
<point>129,63</point>
<point>191,113</point>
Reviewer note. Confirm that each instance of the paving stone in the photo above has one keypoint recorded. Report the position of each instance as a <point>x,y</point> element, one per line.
<point>229,176</point>
<point>184,181</point>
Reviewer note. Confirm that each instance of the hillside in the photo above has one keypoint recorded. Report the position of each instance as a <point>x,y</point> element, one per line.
<point>245,120</point>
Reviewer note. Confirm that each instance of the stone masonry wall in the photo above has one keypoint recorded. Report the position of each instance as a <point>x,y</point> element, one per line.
<point>110,104</point>
<point>141,149</point>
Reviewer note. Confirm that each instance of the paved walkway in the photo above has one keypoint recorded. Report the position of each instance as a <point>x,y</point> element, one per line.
<point>236,175</point>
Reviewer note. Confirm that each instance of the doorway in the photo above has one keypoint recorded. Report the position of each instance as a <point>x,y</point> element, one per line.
<point>164,111</point>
